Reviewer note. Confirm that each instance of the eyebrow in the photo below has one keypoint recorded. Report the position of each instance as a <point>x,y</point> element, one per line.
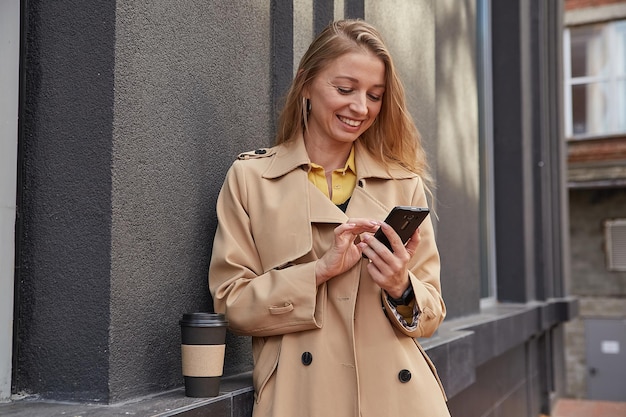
<point>357,81</point>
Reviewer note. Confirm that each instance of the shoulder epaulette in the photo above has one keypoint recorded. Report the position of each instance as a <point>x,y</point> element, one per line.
<point>256,154</point>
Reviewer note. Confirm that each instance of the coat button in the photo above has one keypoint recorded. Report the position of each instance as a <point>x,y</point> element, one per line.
<point>307,358</point>
<point>404,375</point>
<point>260,151</point>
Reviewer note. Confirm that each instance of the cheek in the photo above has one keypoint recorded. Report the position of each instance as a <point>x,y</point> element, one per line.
<point>335,103</point>
<point>374,110</point>
<point>323,103</point>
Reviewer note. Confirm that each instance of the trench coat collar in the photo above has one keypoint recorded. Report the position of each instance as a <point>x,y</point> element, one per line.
<point>293,155</point>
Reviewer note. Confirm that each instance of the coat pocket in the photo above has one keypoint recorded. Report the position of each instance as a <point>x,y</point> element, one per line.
<point>265,362</point>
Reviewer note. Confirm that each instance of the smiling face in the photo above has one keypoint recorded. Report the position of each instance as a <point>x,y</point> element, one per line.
<point>346,96</point>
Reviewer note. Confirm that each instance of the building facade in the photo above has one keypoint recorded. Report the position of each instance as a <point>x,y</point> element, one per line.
<point>130,113</point>
<point>595,131</point>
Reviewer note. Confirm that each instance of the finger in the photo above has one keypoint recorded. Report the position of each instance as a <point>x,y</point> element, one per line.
<point>345,227</point>
<point>365,249</point>
<point>380,277</point>
<point>358,226</point>
<point>379,257</point>
<point>372,245</point>
<point>361,221</point>
<point>414,241</point>
<point>392,236</point>
<point>365,225</point>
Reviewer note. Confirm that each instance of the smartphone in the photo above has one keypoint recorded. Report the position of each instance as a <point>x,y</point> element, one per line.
<point>404,220</point>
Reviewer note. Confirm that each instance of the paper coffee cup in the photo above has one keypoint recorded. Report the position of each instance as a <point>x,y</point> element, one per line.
<point>202,350</point>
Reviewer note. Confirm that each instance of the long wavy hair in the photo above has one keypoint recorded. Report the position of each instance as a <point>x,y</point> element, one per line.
<point>393,138</point>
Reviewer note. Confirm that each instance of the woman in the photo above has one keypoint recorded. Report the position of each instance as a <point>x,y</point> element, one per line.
<point>333,313</point>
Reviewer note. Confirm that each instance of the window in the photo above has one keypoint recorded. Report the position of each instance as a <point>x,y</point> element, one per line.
<point>595,79</point>
<point>615,244</point>
<point>485,124</point>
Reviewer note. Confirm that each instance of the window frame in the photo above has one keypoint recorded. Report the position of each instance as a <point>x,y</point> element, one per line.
<point>613,78</point>
<point>488,281</point>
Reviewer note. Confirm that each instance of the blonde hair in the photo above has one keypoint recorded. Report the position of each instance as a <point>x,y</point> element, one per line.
<point>393,138</point>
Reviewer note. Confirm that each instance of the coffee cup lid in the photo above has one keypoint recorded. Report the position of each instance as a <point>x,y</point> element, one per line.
<point>200,319</point>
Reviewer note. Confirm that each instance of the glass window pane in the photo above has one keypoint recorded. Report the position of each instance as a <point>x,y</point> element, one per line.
<point>588,50</point>
<point>589,109</point>
<point>620,107</point>
<point>620,48</point>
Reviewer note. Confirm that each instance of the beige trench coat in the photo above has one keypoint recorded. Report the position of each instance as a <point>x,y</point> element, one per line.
<point>335,350</point>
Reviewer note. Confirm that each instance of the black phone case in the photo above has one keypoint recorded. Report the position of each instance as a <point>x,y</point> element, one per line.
<point>404,220</point>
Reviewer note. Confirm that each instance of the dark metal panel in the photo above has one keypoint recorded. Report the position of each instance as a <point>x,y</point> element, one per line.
<point>354,9</point>
<point>323,13</point>
<point>281,21</point>
<point>511,187</point>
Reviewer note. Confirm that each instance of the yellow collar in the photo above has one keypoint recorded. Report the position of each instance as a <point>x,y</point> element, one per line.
<point>349,164</point>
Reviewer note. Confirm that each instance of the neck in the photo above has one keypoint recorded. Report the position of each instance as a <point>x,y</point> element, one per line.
<point>330,156</point>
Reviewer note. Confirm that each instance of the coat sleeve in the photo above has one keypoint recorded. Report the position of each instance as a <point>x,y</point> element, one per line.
<point>424,270</point>
<point>257,302</point>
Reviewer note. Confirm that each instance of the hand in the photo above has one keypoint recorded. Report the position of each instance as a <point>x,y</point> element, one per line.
<point>390,269</point>
<point>344,253</point>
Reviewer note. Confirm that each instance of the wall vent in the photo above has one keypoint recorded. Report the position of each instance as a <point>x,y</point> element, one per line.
<point>615,235</point>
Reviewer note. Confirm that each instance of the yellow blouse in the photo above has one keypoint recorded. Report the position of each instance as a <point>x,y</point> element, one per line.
<point>343,180</point>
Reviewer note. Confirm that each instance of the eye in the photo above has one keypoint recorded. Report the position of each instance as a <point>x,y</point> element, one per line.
<point>343,90</point>
<point>374,97</point>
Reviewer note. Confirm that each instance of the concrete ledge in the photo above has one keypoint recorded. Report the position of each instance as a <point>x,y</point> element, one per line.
<point>457,349</point>
<point>235,400</point>
<point>452,352</point>
<point>461,345</point>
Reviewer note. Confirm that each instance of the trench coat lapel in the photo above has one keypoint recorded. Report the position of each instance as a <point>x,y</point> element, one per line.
<point>369,200</point>
<point>365,202</point>
<point>292,160</point>
<point>322,209</point>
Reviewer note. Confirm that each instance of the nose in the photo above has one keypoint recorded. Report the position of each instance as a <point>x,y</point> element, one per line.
<point>359,104</point>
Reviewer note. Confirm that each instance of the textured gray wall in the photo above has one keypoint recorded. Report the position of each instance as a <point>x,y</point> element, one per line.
<point>458,175</point>
<point>408,28</point>
<point>433,45</point>
<point>133,114</point>
<point>192,90</point>
<point>64,211</point>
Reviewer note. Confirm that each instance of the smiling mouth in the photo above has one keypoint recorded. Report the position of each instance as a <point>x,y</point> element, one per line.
<point>350,122</point>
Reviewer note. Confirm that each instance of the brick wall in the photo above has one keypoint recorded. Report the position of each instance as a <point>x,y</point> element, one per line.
<point>581,4</point>
<point>602,293</point>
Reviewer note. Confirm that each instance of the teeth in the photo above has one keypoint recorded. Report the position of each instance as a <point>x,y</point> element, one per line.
<point>350,122</point>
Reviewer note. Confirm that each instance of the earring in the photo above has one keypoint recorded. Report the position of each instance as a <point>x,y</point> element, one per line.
<point>306,109</point>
